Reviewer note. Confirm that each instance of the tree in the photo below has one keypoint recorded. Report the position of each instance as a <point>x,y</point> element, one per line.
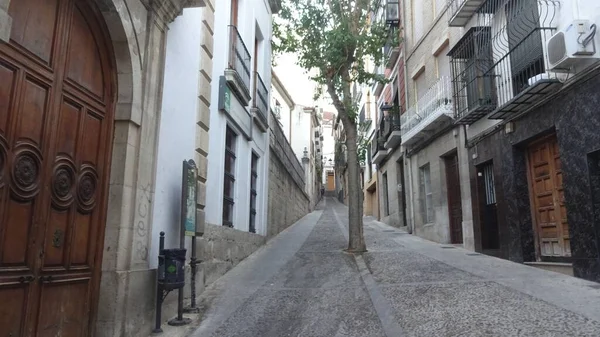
<point>336,40</point>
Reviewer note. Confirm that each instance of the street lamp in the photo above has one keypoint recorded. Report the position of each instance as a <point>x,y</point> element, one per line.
<point>386,108</point>
<point>392,13</point>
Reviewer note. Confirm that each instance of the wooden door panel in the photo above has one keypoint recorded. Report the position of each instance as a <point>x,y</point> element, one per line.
<point>84,66</point>
<point>64,308</point>
<point>34,26</point>
<point>8,74</point>
<point>13,309</point>
<point>17,228</point>
<point>33,111</point>
<point>547,200</point>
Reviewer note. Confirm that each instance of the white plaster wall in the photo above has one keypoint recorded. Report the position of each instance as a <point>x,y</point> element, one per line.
<point>301,129</point>
<point>285,111</point>
<point>177,125</point>
<point>254,17</point>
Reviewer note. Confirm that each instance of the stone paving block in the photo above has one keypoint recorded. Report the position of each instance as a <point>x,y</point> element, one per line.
<point>317,270</point>
<point>306,313</point>
<point>481,309</point>
<point>410,267</point>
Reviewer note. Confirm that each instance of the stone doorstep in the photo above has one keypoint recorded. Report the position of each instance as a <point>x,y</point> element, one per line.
<point>563,268</point>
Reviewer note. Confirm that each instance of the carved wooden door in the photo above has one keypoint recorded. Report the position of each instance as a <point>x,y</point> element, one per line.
<point>547,199</point>
<point>56,117</point>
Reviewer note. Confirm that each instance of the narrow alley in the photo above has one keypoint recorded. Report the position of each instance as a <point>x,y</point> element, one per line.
<point>303,284</point>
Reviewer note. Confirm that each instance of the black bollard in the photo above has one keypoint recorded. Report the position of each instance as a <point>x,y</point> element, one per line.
<point>159,289</point>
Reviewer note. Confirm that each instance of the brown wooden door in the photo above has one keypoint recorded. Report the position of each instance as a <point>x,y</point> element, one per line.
<point>547,199</point>
<point>330,181</point>
<point>454,199</point>
<point>56,117</point>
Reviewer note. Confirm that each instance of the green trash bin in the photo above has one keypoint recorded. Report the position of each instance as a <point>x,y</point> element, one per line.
<point>171,268</point>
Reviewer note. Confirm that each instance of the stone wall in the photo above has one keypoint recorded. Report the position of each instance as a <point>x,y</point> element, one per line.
<point>288,202</point>
<point>222,248</point>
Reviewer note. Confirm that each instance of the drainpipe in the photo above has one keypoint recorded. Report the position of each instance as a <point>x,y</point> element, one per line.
<point>411,228</point>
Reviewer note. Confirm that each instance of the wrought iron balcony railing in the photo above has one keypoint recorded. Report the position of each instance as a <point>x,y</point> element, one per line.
<point>239,57</point>
<point>433,108</point>
<point>501,64</point>
<point>260,100</point>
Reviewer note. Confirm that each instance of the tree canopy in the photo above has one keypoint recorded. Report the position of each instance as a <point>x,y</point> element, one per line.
<point>337,38</point>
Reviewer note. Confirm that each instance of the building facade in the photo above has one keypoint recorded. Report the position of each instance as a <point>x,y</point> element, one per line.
<point>239,139</point>
<point>532,145</point>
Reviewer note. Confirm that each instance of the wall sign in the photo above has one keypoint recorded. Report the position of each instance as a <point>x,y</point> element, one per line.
<point>189,197</point>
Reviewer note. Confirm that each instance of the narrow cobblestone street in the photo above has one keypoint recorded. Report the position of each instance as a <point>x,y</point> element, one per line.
<point>302,284</point>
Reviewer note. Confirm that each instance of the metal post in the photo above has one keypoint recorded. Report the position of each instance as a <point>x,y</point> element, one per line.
<point>159,289</point>
<point>179,320</point>
<point>193,262</point>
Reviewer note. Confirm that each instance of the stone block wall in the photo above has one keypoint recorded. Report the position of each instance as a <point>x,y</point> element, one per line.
<point>288,201</point>
<point>222,248</point>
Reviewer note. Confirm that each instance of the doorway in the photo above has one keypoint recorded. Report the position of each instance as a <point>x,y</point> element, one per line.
<point>549,213</point>
<point>57,99</point>
<point>486,187</point>
<point>401,193</point>
<point>330,181</point>
<point>454,198</point>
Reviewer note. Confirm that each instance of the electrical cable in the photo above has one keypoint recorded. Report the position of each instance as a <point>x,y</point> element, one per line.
<point>589,38</point>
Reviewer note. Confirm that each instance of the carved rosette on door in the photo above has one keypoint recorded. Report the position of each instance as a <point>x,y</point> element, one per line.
<point>86,190</point>
<point>65,181</point>
<point>25,172</point>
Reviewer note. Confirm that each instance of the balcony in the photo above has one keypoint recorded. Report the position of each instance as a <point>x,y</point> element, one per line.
<point>392,130</point>
<point>392,49</point>
<point>237,73</point>
<point>499,67</point>
<point>461,11</point>
<point>430,114</point>
<point>378,86</point>
<point>260,103</point>
<point>378,150</point>
<point>520,58</point>
<point>470,60</point>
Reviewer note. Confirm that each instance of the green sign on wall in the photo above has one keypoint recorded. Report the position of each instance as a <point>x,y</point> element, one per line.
<point>189,193</point>
<point>224,95</point>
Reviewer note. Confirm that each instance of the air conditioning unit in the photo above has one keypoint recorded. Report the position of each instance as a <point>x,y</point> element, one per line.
<point>573,48</point>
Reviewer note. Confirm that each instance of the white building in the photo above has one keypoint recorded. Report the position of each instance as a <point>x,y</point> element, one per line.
<point>239,139</point>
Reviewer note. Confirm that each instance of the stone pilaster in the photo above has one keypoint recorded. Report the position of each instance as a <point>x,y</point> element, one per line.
<point>204,102</point>
<point>5,21</point>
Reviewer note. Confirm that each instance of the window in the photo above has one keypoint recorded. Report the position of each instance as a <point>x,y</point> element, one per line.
<point>443,62</point>
<point>229,181</point>
<point>253,193</point>
<point>490,187</point>
<point>386,203</point>
<point>418,19</point>
<point>420,86</point>
<point>426,195</point>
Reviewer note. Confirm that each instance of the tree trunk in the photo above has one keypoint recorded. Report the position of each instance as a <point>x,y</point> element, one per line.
<point>356,240</point>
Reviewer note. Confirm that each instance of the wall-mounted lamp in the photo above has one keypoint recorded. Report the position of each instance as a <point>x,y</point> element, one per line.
<point>509,127</point>
<point>392,13</point>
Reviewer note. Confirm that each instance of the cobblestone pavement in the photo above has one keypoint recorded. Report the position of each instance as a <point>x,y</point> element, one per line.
<point>302,284</point>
